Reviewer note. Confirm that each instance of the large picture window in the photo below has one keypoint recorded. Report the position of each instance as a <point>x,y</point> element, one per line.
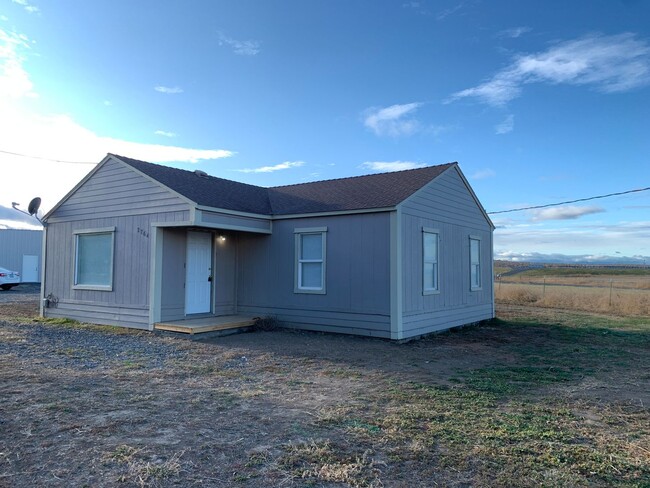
<point>310,260</point>
<point>94,259</point>
<point>475,262</point>
<point>430,261</point>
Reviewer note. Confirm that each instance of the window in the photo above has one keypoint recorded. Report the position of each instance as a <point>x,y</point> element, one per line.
<point>94,259</point>
<point>475,262</point>
<point>429,261</point>
<point>310,260</point>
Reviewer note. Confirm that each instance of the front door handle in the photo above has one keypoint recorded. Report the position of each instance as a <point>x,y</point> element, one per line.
<point>209,278</point>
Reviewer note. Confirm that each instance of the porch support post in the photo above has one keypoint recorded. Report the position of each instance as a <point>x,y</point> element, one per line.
<point>155,275</point>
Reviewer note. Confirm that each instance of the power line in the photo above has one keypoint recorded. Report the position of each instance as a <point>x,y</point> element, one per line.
<point>571,201</point>
<point>533,207</point>
<point>47,159</point>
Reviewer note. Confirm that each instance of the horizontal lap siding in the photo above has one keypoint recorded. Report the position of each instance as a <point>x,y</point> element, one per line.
<point>137,203</point>
<point>357,271</point>
<point>117,190</point>
<point>446,205</point>
<point>137,318</point>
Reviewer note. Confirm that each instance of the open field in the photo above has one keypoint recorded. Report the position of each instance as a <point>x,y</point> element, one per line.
<point>615,291</point>
<point>535,398</point>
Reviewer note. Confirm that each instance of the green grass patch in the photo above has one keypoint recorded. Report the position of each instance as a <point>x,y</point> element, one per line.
<point>506,423</point>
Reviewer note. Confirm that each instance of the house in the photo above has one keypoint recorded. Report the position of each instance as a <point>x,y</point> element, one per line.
<point>20,250</point>
<point>393,255</point>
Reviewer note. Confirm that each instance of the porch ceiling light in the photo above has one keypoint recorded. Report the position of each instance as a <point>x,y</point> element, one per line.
<point>222,238</point>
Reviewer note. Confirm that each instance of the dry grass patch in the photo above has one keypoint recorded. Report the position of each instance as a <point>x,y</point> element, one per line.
<point>323,461</point>
<point>539,397</point>
<point>618,301</point>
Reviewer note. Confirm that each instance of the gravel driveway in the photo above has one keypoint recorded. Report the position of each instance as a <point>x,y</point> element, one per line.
<point>25,292</point>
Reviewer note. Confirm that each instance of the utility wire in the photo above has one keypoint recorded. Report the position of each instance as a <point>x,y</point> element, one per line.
<point>571,201</point>
<point>490,213</point>
<point>47,159</point>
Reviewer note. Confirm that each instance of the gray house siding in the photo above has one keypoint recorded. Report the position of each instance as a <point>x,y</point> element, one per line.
<point>16,243</point>
<point>117,190</point>
<point>446,205</point>
<point>128,303</point>
<point>114,196</point>
<point>357,298</point>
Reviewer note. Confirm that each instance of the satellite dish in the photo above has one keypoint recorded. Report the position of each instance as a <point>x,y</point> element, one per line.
<point>34,205</point>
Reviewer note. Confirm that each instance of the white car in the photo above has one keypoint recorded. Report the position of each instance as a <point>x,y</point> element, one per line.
<point>8,278</point>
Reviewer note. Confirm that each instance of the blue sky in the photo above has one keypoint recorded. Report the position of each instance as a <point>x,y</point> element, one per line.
<point>539,102</point>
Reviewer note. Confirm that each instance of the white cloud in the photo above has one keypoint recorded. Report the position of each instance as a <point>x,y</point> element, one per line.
<point>506,126</point>
<point>168,90</point>
<point>393,120</point>
<point>483,174</point>
<point>243,48</point>
<point>14,79</point>
<point>608,63</point>
<point>32,9</point>
<point>514,32</point>
<point>629,238</point>
<point>391,166</point>
<point>57,137</point>
<point>164,133</point>
<point>271,169</point>
<point>568,212</point>
<point>450,11</point>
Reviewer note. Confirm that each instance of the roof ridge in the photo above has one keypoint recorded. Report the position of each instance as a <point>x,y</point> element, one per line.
<point>363,176</point>
<point>185,170</point>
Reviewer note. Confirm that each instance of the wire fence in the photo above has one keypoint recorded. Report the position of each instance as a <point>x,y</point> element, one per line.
<point>620,295</point>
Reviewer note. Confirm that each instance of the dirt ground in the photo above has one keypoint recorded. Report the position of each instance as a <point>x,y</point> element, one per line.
<point>91,406</point>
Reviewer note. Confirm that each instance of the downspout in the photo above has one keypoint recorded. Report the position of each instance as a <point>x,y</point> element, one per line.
<point>43,265</point>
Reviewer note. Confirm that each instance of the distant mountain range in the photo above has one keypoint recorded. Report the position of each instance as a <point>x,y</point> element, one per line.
<point>566,259</point>
<point>13,219</point>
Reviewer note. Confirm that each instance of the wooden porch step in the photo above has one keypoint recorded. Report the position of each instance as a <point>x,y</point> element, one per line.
<point>210,324</point>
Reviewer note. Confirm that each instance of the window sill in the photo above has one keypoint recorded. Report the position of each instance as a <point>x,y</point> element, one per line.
<point>309,292</point>
<point>431,292</point>
<point>478,288</point>
<point>93,287</point>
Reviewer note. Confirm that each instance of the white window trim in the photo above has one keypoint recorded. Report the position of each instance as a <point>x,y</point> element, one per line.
<point>103,230</point>
<point>436,290</point>
<point>473,287</point>
<point>298,262</point>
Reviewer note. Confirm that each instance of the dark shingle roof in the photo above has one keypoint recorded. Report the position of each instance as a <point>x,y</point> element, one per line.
<point>206,190</point>
<point>359,192</point>
<point>355,193</point>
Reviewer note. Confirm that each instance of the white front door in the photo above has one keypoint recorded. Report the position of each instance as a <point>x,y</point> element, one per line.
<point>198,281</point>
<point>30,269</point>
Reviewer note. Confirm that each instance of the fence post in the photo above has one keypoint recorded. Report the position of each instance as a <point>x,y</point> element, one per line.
<point>544,288</point>
<point>611,285</point>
